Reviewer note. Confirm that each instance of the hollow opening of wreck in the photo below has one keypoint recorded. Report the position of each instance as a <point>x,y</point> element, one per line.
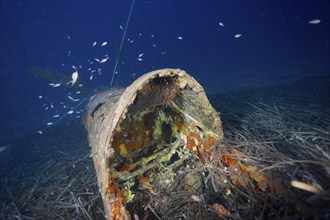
<point>150,124</point>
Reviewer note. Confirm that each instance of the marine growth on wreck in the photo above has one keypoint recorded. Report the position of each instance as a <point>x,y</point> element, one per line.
<point>141,137</point>
<point>158,122</point>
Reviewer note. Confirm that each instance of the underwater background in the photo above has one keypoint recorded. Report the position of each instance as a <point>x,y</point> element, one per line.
<point>243,53</point>
<point>278,45</point>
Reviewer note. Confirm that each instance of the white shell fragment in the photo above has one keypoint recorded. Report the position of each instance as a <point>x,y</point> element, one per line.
<point>74,77</point>
<point>104,43</point>
<point>56,116</point>
<point>141,54</point>
<point>221,24</point>
<point>196,198</point>
<point>139,59</point>
<point>50,123</point>
<point>94,43</point>
<point>70,112</point>
<point>180,38</point>
<point>314,21</point>
<point>40,132</point>
<point>238,35</point>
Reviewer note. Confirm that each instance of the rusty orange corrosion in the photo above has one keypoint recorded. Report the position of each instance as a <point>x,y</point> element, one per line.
<point>117,192</point>
<point>197,144</point>
<point>232,158</point>
<point>88,120</point>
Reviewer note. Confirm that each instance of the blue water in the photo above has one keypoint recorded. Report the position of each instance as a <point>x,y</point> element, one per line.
<point>278,46</point>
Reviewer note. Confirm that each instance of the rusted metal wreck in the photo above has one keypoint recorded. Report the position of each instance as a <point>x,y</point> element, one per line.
<point>132,131</point>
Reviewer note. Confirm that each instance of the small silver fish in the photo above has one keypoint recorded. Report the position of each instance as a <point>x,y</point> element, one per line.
<point>104,60</point>
<point>104,43</point>
<point>74,77</point>
<point>72,99</point>
<point>56,85</point>
<point>315,21</point>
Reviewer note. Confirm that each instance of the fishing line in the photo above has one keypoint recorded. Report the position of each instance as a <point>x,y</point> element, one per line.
<point>121,44</point>
<point>71,110</point>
